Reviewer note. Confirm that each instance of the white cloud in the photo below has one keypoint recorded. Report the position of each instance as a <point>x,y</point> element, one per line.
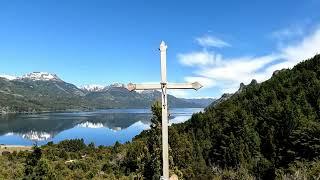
<point>231,72</point>
<point>287,32</point>
<point>227,74</point>
<point>210,41</point>
<point>295,53</point>
<point>199,58</point>
<point>307,48</point>
<point>234,69</point>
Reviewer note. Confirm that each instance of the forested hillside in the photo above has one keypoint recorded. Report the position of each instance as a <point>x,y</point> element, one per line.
<point>267,131</point>
<point>263,129</point>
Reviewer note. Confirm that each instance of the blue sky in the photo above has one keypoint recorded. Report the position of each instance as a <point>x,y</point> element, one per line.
<point>219,43</point>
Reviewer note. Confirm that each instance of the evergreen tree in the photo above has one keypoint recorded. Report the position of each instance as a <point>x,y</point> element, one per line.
<point>153,169</point>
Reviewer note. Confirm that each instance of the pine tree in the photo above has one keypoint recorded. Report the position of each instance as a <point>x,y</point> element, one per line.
<point>153,168</point>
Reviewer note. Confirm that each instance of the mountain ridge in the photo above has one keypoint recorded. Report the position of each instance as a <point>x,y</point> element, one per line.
<point>42,92</point>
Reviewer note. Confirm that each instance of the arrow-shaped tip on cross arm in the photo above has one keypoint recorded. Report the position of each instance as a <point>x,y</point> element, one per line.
<point>131,87</point>
<point>196,85</point>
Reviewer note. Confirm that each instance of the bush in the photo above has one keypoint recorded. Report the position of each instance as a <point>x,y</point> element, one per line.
<point>5,153</point>
<point>73,145</point>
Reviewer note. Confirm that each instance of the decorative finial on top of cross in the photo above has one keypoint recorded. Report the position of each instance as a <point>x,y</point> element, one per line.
<point>163,46</point>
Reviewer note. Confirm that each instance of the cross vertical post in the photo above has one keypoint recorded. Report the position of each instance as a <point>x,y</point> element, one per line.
<point>165,146</point>
<point>163,86</point>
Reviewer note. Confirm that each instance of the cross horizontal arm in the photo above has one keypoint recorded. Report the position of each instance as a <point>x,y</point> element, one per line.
<point>194,86</point>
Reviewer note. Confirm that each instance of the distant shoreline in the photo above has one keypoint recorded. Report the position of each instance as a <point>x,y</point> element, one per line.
<point>80,110</point>
<point>40,112</point>
<point>60,111</point>
<point>13,148</point>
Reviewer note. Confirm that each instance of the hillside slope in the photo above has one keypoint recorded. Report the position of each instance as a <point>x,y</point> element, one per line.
<point>263,128</point>
<point>24,95</point>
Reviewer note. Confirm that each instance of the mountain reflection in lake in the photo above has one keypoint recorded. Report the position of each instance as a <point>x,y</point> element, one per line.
<point>103,127</point>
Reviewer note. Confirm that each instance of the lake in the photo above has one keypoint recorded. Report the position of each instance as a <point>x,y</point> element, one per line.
<point>103,127</point>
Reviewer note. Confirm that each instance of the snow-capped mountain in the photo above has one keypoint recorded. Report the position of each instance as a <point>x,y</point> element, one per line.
<point>41,76</point>
<point>9,77</point>
<point>119,85</point>
<point>35,76</point>
<point>147,91</point>
<point>100,88</point>
<point>93,88</point>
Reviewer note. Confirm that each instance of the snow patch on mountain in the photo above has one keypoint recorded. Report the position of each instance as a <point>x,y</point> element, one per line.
<point>41,76</point>
<point>99,88</point>
<point>119,85</point>
<point>147,91</point>
<point>115,85</point>
<point>93,88</point>
<point>9,77</point>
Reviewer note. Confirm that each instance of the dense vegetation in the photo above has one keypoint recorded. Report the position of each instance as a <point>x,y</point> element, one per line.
<point>264,128</point>
<point>265,131</point>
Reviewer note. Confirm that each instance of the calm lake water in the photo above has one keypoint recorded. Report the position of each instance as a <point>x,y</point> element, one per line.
<point>103,127</point>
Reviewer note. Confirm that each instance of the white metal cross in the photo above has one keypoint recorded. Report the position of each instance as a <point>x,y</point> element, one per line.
<point>164,85</point>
